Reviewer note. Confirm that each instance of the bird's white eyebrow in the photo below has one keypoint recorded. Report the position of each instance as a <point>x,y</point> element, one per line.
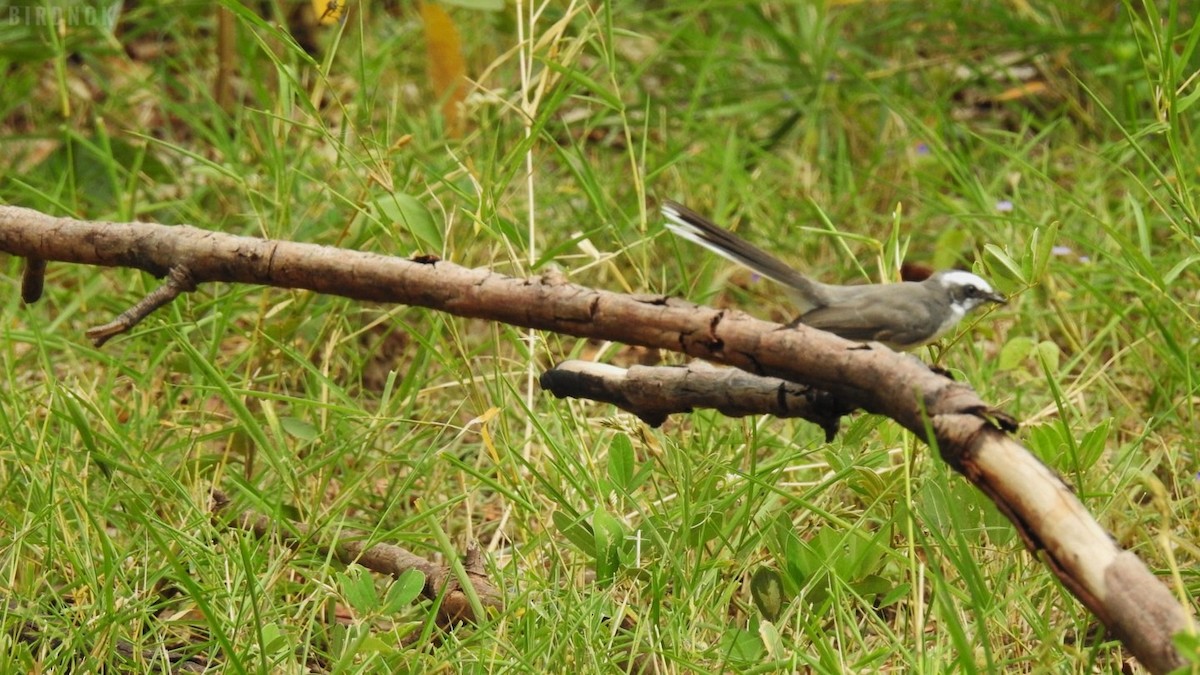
<point>960,278</point>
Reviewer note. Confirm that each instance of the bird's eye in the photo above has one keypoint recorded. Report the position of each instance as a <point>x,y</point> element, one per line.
<point>972,291</point>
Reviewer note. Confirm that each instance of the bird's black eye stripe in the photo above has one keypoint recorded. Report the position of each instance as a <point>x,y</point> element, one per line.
<point>972,291</point>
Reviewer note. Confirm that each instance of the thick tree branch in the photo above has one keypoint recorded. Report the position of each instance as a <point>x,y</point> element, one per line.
<point>655,392</point>
<point>969,434</point>
<point>855,373</point>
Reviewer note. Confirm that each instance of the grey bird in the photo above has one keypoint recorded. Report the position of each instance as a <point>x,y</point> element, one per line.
<point>902,316</point>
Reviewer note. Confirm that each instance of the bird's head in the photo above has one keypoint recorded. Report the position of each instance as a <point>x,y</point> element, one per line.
<point>967,291</point>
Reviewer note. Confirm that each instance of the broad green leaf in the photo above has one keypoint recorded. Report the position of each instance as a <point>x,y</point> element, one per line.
<point>298,428</point>
<point>893,596</point>
<point>1014,352</point>
<point>373,645</point>
<point>799,560</point>
<point>406,212</point>
<point>1048,355</point>
<point>404,591</point>
<point>1005,261</point>
<point>1043,249</point>
<point>274,639</point>
<point>872,586</point>
<point>742,646</point>
<point>620,462</point>
<point>576,531</point>
<point>358,588</point>
<point>1091,446</point>
<point>705,527</point>
<point>766,589</point>
<point>609,534</point>
<point>771,640</point>
<point>1047,442</point>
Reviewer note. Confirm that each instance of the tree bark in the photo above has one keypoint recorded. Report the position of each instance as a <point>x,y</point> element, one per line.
<point>655,392</point>
<point>970,435</point>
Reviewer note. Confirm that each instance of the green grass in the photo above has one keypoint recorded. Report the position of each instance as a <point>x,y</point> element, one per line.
<point>847,137</point>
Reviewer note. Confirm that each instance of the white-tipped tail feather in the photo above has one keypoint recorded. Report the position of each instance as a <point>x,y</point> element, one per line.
<point>697,229</point>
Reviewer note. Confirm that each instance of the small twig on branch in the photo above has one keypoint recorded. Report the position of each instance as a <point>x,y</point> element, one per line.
<point>970,434</point>
<point>382,558</point>
<point>179,280</point>
<point>655,392</point>
<point>33,280</point>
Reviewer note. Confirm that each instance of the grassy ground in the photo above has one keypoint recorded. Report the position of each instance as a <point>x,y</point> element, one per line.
<point>846,136</point>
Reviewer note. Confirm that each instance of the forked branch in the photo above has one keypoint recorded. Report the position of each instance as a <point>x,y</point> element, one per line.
<point>970,435</point>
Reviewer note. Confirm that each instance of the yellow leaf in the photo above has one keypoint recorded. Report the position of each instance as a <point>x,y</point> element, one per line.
<point>485,434</point>
<point>447,69</point>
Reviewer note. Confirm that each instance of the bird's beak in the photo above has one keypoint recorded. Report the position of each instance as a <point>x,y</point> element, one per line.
<point>996,298</point>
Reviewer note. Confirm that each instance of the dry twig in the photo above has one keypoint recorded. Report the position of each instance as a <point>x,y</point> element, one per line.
<point>33,280</point>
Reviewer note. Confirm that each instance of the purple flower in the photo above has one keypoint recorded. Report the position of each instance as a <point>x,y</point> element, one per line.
<point>1004,206</point>
<point>1068,252</point>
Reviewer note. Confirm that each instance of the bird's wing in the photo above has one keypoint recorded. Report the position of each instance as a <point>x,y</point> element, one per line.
<point>906,323</point>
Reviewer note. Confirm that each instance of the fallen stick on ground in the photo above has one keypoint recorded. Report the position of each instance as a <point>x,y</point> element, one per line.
<point>390,559</point>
